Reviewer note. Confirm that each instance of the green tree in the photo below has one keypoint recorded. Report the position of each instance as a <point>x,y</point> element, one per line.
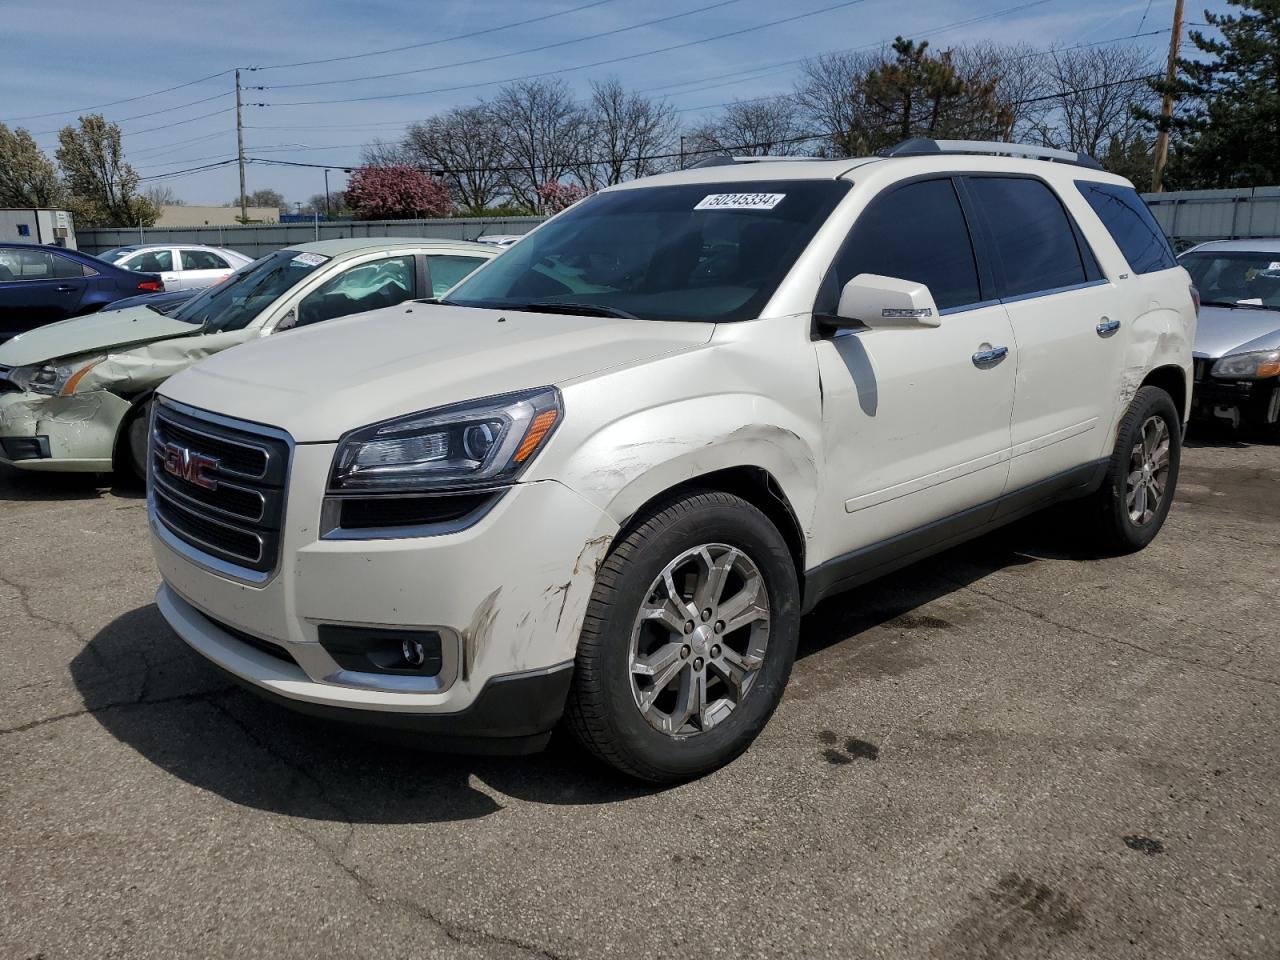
<point>919,94</point>
<point>27,176</point>
<point>1224,132</point>
<point>1131,159</point>
<point>102,187</point>
<point>262,198</point>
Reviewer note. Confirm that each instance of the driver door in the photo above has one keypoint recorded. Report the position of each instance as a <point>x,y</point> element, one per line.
<point>915,421</point>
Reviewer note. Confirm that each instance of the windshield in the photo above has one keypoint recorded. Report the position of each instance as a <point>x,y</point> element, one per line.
<point>113,256</point>
<point>713,252</point>
<point>234,303</point>
<point>1235,278</point>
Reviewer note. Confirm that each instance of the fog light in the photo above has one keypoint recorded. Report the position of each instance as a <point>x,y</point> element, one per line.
<point>414,653</point>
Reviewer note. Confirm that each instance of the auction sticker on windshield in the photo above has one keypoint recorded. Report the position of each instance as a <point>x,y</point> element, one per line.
<point>310,259</point>
<point>740,201</point>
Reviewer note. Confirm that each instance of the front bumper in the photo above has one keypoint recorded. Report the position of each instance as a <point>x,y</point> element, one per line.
<point>1251,401</point>
<point>77,433</point>
<point>507,595</point>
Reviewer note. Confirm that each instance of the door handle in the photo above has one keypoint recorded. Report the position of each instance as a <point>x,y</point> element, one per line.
<point>65,288</point>
<point>990,356</point>
<point>1107,327</point>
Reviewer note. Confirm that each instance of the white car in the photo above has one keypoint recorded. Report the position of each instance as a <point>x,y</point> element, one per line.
<point>75,395</point>
<point>184,266</point>
<point>602,478</point>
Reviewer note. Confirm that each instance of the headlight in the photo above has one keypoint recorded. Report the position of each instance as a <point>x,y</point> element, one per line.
<point>56,379</point>
<point>1248,366</point>
<point>478,443</point>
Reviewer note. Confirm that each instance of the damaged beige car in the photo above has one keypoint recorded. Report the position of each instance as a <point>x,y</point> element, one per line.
<point>74,395</point>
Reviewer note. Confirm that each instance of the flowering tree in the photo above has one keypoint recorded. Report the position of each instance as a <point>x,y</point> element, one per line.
<point>555,196</point>
<point>396,192</point>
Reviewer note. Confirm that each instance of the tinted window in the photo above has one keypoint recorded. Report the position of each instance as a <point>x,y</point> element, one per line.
<point>203,260</point>
<point>153,261</point>
<point>65,267</point>
<point>447,271</point>
<point>1131,226</point>
<point>916,232</point>
<point>707,251</point>
<point>37,265</point>
<point>1033,244</point>
<point>370,286</point>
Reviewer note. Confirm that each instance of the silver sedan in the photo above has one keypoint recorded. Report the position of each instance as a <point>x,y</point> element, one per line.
<point>182,266</point>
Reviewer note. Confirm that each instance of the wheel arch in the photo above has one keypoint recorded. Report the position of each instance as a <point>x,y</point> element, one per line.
<point>754,484</point>
<point>1172,379</point>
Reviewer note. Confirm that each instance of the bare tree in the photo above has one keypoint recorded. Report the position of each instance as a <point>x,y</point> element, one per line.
<point>466,144</point>
<point>627,135</point>
<point>1093,94</point>
<point>752,128</point>
<point>830,98</point>
<point>164,196</point>
<point>382,153</point>
<point>1015,75</point>
<point>544,129</point>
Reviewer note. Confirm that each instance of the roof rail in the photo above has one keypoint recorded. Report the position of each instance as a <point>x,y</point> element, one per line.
<point>923,146</point>
<point>722,160</point>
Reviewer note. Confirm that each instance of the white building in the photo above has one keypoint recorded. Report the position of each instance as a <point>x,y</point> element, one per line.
<point>37,225</point>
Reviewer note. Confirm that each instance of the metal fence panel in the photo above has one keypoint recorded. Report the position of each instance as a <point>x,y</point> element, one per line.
<point>1193,216</point>
<point>257,240</point>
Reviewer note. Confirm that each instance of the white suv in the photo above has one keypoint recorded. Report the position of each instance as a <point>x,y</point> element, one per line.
<point>603,478</point>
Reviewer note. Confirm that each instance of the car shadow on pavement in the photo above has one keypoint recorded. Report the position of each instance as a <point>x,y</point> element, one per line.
<point>150,692</point>
<point>18,485</point>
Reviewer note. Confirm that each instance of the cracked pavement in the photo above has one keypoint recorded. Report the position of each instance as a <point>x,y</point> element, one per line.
<point>1013,749</point>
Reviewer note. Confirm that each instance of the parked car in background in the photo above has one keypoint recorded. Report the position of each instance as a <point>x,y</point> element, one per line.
<point>181,266</point>
<point>503,240</point>
<point>74,395</point>
<point>1237,349</point>
<point>603,477</point>
<point>39,285</point>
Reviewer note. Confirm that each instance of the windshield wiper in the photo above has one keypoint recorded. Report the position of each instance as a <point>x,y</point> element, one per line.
<point>1236,306</point>
<point>579,309</point>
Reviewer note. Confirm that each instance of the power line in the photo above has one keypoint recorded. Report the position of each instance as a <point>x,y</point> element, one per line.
<point>153,113</point>
<point>504,56</point>
<point>432,43</point>
<point>178,123</point>
<point>582,66</point>
<point>116,103</point>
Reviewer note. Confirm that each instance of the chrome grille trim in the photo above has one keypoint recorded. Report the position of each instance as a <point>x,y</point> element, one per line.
<point>233,528</point>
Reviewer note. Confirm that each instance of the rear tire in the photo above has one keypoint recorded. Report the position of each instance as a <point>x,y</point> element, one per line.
<point>1142,476</point>
<point>668,688</point>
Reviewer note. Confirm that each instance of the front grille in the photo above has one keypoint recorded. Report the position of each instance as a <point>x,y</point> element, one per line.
<point>219,488</point>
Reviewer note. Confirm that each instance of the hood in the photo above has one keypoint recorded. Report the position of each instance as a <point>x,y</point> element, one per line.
<point>319,382</point>
<point>1222,330</point>
<point>97,331</point>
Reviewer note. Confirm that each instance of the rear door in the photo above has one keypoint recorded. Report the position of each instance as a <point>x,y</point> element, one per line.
<point>159,260</point>
<point>1070,347</point>
<point>37,287</point>
<point>201,268</point>
<point>915,420</point>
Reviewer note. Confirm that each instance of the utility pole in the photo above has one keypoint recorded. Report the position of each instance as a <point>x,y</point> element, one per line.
<point>244,209</point>
<point>1166,106</point>
<point>682,153</point>
<point>327,215</point>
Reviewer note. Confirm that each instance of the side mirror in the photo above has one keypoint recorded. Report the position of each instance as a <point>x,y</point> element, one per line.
<point>875,301</point>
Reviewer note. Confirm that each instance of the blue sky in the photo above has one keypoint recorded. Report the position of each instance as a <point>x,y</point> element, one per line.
<point>65,55</point>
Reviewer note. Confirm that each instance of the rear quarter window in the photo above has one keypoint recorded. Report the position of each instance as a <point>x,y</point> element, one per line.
<point>1130,224</point>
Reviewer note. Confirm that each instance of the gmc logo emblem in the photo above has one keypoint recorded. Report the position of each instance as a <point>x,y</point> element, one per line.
<point>191,467</point>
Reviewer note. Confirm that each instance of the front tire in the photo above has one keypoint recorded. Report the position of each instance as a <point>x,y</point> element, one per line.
<point>1142,476</point>
<point>688,640</point>
<point>131,448</point>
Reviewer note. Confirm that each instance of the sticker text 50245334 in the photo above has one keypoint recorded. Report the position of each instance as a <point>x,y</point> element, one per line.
<point>740,201</point>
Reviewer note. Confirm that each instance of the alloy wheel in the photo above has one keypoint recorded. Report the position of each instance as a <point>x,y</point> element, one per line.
<point>1148,477</point>
<point>699,639</point>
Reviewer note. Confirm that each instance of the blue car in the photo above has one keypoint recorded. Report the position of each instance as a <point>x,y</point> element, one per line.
<point>39,285</point>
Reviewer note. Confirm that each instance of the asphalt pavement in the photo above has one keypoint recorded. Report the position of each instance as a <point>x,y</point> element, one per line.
<point>1015,749</point>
